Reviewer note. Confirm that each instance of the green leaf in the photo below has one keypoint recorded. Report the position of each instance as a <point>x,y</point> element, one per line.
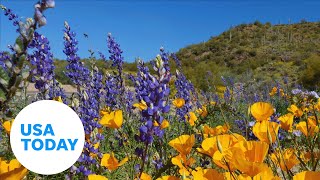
<point>8,64</point>
<point>25,74</point>
<point>19,43</point>
<point>2,95</point>
<point>4,77</point>
<point>21,61</point>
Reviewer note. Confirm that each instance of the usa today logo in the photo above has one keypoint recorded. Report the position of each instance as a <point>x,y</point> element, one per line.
<point>47,137</point>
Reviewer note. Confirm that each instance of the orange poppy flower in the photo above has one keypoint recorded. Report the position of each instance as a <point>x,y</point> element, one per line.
<point>266,131</point>
<point>295,110</point>
<point>286,159</point>
<point>261,111</point>
<point>286,121</point>
<point>12,170</point>
<point>192,118</point>
<point>308,129</point>
<point>206,174</point>
<point>183,163</point>
<point>306,175</point>
<point>7,126</point>
<point>179,102</point>
<point>110,162</point>
<point>113,119</point>
<point>96,177</point>
<point>215,131</point>
<point>183,144</point>
<point>141,106</point>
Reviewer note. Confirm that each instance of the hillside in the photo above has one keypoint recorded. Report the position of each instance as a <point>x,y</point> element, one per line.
<point>257,52</point>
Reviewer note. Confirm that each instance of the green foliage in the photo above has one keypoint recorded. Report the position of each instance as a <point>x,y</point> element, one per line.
<point>269,51</point>
<point>311,73</point>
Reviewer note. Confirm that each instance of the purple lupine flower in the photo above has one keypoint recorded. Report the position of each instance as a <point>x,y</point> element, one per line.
<point>158,163</point>
<point>3,58</point>
<point>42,60</point>
<point>111,92</point>
<point>227,95</point>
<point>184,88</point>
<point>102,56</point>
<point>43,74</point>
<point>154,91</point>
<point>195,95</point>
<point>177,61</point>
<point>256,97</point>
<point>165,58</point>
<point>89,112</point>
<point>117,60</point>
<point>56,90</point>
<point>115,53</point>
<point>97,83</point>
<point>76,71</point>
<point>296,91</point>
<point>89,97</point>
<point>39,8</point>
<point>114,87</point>
<point>129,96</point>
<point>11,16</point>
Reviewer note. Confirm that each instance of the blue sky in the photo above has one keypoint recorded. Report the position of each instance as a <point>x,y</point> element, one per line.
<point>142,26</point>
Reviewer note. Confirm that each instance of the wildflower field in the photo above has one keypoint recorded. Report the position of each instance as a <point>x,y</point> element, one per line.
<point>153,123</point>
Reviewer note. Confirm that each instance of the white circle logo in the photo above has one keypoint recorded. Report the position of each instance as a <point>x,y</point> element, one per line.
<point>47,137</point>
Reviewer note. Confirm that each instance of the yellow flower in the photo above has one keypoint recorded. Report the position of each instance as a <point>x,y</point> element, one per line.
<point>183,163</point>
<point>165,123</point>
<point>179,102</point>
<point>261,111</point>
<point>210,145</point>
<point>95,146</point>
<point>254,151</point>
<point>286,121</point>
<point>295,110</point>
<point>220,148</point>
<point>206,174</point>
<point>104,111</point>
<point>202,111</point>
<point>286,159</point>
<point>192,118</point>
<point>144,176</point>
<point>225,158</point>
<point>307,175</point>
<point>273,91</point>
<point>7,126</point>
<point>58,98</point>
<point>12,170</point>
<point>215,131</point>
<point>213,103</point>
<point>96,177</point>
<point>266,174</point>
<point>141,106</point>
<point>110,162</point>
<point>250,159</point>
<point>266,131</point>
<point>112,120</point>
<point>317,106</point>
<point>183,144</point>
<point>312,127</point>
<point>250,168</point>
<point>168,178</point>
